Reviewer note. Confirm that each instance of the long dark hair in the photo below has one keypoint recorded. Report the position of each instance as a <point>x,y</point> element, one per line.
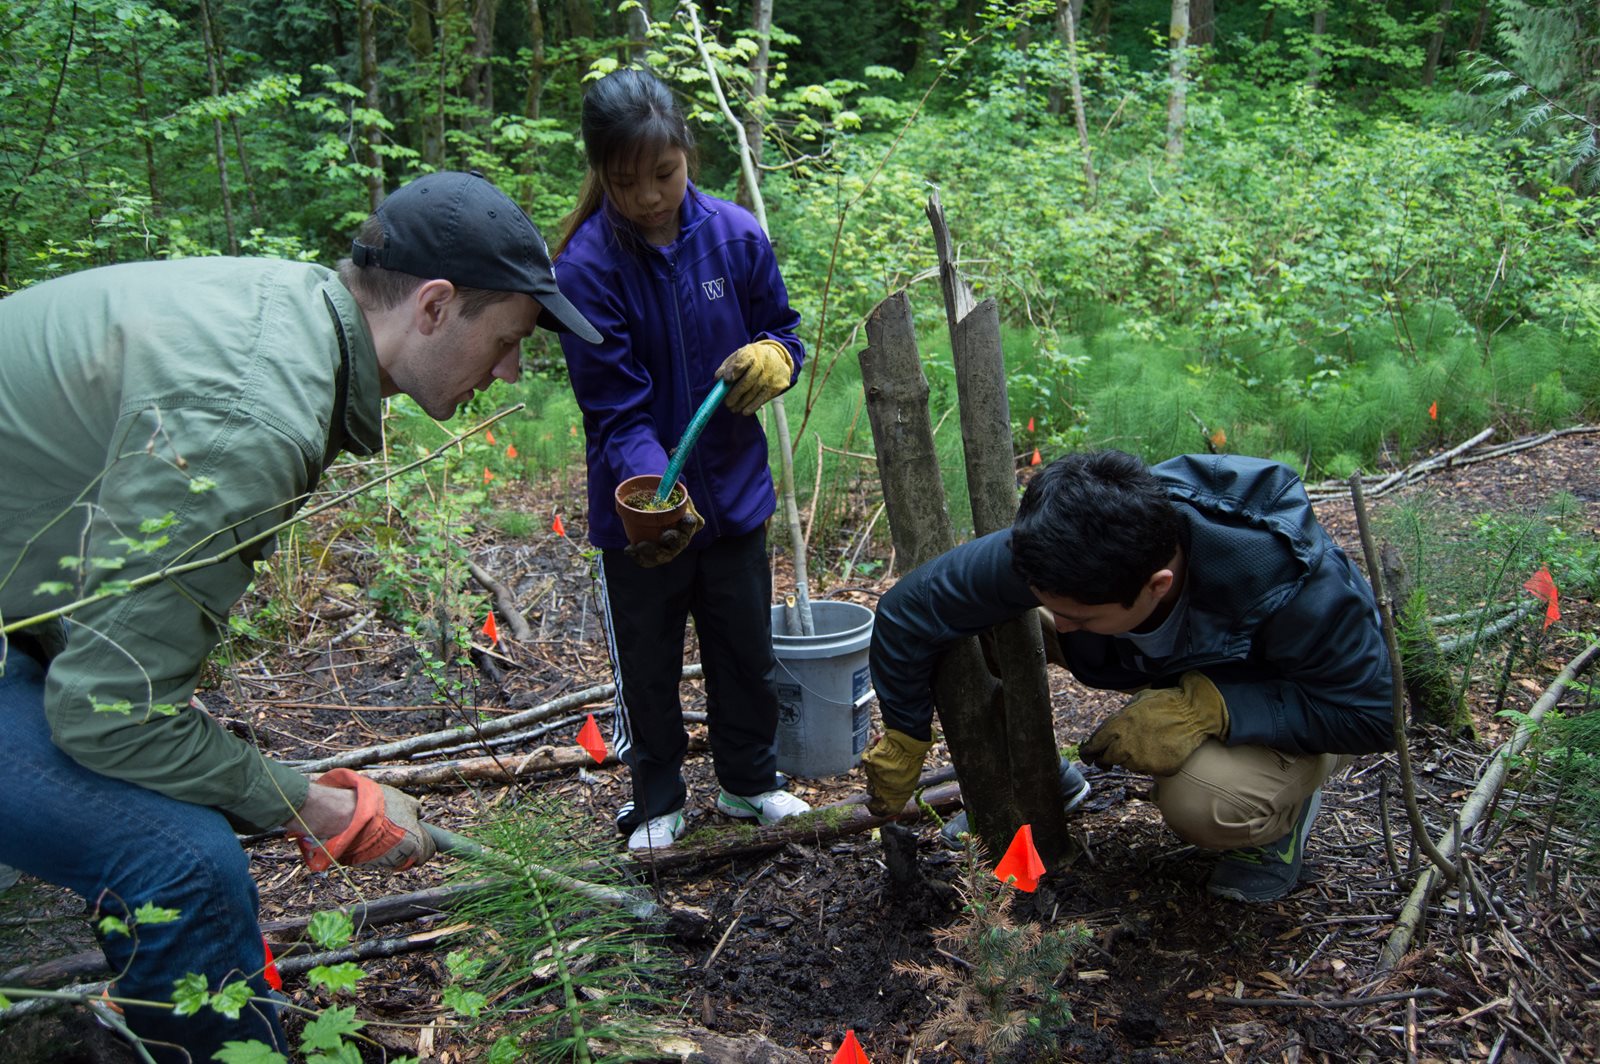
<point>628,115</point>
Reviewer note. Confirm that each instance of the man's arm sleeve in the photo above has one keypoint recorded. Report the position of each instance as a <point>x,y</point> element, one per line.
<point>221,478</point>
<point>1332,691</point>
<point>962,592</point>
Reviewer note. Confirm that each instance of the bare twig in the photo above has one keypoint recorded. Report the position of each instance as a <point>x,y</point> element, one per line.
<point>1478,801</point>
<point>505,603</point>
<point>1408,784</point>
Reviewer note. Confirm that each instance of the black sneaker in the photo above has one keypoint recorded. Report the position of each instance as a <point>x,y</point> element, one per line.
<point>1074,789</point>
<point>1266,873</point>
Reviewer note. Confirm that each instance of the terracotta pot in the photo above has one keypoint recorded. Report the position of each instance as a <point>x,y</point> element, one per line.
<point>646,526</point>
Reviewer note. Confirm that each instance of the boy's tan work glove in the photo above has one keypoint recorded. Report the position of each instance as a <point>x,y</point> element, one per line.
<point>893,765</point>
<point>672,542</point>
<point>755,373</point>
<point>385,831</point>
<point>1160,727</point>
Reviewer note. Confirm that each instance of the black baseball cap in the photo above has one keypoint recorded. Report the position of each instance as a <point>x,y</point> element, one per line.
<point>462,228</point>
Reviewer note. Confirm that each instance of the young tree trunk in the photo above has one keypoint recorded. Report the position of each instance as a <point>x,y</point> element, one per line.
<point>1100,26</point>
<point>1479,27</point>
<point>233,119</point>
<point>216,127</point>
<point>1202,22</point>
<point>1177,102</point>
<point>480,76</point>
<point>637,20</point>
<point>144,119</point>
<point>369,90</point>
<point>761,26</point>
<point>1319,30</point>
<point>535,62</point>
<point>1067,23</point>
<point>580,18</point>
<point>1430,65</point>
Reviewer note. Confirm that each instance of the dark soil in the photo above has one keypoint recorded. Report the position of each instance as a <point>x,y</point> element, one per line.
<point>803,942</point>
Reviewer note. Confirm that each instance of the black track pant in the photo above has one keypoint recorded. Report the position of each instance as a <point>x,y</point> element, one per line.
<point>727,589</point>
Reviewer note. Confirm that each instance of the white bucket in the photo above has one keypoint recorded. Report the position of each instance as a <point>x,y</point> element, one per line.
<point>824,690</point>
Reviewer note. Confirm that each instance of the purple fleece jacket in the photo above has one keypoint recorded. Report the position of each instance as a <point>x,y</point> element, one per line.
<point>667,318</point>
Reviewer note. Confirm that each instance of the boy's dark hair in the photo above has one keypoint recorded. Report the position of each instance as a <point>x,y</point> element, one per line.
<point>1093,528</point>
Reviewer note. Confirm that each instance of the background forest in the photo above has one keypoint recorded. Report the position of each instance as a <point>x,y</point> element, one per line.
<point>1329,233</point>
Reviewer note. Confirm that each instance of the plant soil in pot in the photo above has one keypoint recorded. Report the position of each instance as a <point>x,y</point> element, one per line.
<point>643,519</point>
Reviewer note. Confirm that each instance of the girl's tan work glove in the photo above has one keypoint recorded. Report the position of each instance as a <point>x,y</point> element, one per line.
<point>755,373</point>
<point>385,831</point>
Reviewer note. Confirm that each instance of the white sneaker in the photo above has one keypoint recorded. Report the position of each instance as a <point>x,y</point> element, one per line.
<point>769,808</point>
<point>658,832</point>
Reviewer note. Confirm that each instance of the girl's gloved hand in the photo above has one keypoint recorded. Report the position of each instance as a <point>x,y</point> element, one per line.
<point>755,374</point>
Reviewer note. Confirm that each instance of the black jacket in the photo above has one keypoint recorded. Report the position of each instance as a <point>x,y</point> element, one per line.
<point>1279,619</point>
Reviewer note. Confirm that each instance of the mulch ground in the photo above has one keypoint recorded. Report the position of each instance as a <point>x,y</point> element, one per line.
<point>801,942</point>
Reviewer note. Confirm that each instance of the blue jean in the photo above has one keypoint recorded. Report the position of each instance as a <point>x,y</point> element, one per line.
<point>121,846</point>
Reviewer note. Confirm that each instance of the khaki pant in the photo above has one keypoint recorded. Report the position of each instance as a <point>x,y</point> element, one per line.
<point>1230,797</point>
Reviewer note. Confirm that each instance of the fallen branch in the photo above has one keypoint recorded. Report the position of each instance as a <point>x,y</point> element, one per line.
<point>505,603</point>
<point>467,732</point>
<point>1477,803</point>
<point>1453,459</point>
<point>1331,1003</point>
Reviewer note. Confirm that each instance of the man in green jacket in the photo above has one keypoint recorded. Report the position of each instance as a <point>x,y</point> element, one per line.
<point>155,414</point>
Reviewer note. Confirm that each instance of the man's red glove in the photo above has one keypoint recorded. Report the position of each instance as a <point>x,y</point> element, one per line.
<point>384,832</point>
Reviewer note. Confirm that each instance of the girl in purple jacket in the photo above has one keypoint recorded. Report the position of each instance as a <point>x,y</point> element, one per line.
<point>684,289</point>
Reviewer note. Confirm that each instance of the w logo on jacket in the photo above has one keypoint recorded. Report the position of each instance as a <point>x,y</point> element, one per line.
<point>714,289</point>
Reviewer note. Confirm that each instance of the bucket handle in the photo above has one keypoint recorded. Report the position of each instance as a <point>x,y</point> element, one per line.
<point>818,695</point>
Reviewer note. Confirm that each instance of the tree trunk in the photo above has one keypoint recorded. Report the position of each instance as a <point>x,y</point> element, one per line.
<point>1479,28</point>
<point>480,74</point>
<point>535,65</point>
<point>754,114</point>
<point>968,699</point>
<point>144,119</point>
<point>1032,777</point>
<point>1202,22</point>
<point>1319,29</point>
<point>233,120</point>
<point>1177,102</point>
<point>1067,22</point>
<point>216,127</point>
<point>580,18</point>
<point>1430,66</point>
<point>637,20</point>
<point>369,90</point>
<point>1031,781</point>
<point>1101,24</point>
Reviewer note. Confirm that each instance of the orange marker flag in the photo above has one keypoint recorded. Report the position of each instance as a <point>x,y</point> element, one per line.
<point>1021,866</point>
<point>487,475</point>
<point>1543,587</point>
<point>1035,460</point>
<point>1030,424</point>
<point>488,434</point>
<point>1433,410</point>
<point>491,629</point>
<point>511,450</point>
<point>850,1051</point>
<point>270,972</point>
<point>557,527</point>
<point>589,739</point>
